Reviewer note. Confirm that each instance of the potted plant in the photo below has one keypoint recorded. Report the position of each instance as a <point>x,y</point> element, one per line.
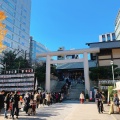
<point>87,97</point>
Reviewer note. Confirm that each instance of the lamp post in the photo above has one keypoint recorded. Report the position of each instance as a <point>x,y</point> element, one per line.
<point>33,66</point>
<point>112,73</point>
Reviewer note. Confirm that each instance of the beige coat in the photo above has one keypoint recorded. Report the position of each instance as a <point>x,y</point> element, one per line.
<point>82,96</point>
<point>48,97</point>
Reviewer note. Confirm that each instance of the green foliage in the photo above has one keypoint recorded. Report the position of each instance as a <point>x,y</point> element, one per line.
<point>12,60</point>
<point>53,70</point>
<point>40,72</point>
<point>101,72</point>
<point>111,91</point>
<point>86,96</point>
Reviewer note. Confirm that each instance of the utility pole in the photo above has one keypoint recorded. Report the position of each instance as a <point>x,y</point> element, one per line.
<point>113,73</point>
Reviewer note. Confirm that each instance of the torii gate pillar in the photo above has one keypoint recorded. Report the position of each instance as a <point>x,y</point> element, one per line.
<point>86,73</point>
<point>47,83</point>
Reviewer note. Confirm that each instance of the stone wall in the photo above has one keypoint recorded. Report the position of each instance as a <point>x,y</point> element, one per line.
<point>53,84</point>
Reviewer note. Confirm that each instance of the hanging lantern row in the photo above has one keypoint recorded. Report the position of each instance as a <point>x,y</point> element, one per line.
<point>17,84</point>
<point>17,89</point>
<point>17,75</point>
<point>19,71</point>
<point>17,80</point>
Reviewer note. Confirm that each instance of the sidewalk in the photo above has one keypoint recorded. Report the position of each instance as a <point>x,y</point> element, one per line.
<point>68,110</point>
<point>115,116</point>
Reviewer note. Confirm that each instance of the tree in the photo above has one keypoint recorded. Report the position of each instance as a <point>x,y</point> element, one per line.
<point>2,30</point>
<point>11,60</point>
<point>101,72</point>
<point>40,72</point>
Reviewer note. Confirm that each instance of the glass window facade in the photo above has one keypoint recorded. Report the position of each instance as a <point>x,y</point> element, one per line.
<point>6,43</point>
<point>17,23</point>
<point>37,48</point>
<point>113,36</point>
<point>103,38</point>
<point>108,37</point>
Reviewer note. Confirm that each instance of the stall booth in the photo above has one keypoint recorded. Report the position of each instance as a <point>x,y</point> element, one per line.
<point>118,88</point>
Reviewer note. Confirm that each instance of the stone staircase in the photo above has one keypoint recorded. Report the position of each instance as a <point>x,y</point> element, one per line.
<point>58,87</point>
<point>74,92</point>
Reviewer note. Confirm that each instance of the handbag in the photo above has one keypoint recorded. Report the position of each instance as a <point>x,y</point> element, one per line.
<point>24,108</point>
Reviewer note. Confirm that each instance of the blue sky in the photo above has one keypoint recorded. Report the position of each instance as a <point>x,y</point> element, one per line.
<point>72,23</point>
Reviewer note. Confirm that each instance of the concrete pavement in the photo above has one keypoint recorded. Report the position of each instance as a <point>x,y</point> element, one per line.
<point>115,116</point>
<point>68,110</point>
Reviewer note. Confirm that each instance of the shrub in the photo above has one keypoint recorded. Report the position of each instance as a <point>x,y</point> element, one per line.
<point>86,96</point>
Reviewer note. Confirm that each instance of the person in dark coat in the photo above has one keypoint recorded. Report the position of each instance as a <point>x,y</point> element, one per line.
<point>14,100</point>
<point>6,104</point>
<point>1,101</point>
<point>99,102</point>
<point>2,96</point>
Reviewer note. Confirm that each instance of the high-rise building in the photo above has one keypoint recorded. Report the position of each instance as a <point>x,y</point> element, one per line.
<point>17,24</point>
<point>107,37</point>
<point>117,26</point>
<point>36,48</point>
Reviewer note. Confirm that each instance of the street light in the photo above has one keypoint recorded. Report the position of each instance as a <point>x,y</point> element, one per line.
<point>33,66</point>
<point>112,73</point>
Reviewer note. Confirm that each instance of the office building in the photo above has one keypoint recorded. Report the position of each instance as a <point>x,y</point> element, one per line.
<point>107,37</point>
<point>117,26</point>
<point>36,48</point>
<point>17,24</point>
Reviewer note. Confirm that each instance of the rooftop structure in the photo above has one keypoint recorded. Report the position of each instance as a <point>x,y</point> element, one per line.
<point>107,37</point>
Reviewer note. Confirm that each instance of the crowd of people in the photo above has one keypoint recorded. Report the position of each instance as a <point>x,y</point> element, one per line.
<point>114,103</point>
<point>14,102</point>
<point>100,98</point>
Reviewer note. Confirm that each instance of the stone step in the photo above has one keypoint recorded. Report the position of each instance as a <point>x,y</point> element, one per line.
<point>58,86</point>
<point>74,92</point>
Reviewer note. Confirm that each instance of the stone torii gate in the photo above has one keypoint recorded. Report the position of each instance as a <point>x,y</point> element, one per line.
<point>85,52</point>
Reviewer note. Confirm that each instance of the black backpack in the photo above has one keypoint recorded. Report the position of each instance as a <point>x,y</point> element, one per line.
<point>116,101</point>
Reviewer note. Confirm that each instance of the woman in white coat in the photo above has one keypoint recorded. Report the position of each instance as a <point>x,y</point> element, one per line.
<point>82,97</point>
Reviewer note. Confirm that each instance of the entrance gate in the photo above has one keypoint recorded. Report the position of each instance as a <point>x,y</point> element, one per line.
<point>85,53</point>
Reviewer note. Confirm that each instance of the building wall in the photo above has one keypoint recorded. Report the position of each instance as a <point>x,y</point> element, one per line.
<point>117,26</point>
<point>104,60</point>
<point>116,53</point>
<point>17,23</point>
<point>107,37</point>
<point>37,48</point>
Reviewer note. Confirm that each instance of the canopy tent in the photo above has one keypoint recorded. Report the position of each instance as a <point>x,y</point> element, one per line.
<point>116,89</point>
<point>117,86</point>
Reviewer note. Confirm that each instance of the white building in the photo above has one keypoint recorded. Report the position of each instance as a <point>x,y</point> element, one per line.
<point>117,26</point>
<point>107,37</point>
<point>17,23</point>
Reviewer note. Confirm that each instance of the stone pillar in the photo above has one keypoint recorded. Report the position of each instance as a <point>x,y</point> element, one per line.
<point>86,72</point>
<point>47,84</point>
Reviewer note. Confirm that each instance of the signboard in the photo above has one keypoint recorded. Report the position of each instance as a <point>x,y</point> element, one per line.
<point>14,81</point>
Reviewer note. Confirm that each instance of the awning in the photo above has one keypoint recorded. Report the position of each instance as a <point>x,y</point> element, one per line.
<point>116,89</point>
